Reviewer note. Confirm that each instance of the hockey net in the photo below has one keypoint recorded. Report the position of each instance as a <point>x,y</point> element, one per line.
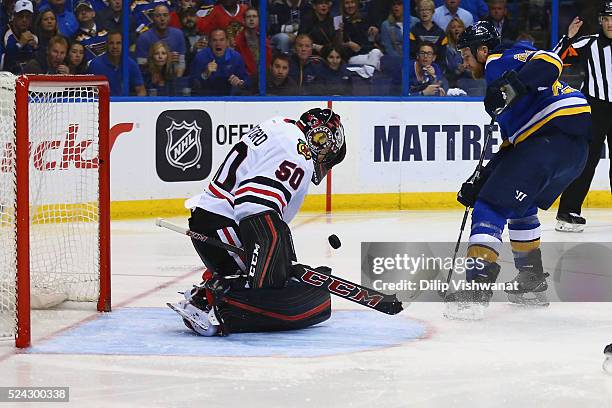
<point>54,196</point>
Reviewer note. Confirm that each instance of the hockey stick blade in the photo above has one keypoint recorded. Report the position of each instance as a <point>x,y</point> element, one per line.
<point>368,297</point>
<point>353,292</point>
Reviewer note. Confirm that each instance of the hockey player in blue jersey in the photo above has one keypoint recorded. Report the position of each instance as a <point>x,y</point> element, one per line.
<point>545,127</point>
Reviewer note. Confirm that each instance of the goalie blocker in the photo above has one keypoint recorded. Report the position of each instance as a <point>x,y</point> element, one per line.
<point>268,299</point>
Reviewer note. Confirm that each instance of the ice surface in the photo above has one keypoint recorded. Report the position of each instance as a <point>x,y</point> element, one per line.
<point>515,357</point>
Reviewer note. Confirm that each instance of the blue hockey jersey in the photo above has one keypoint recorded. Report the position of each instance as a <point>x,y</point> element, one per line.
<point>550,102</point>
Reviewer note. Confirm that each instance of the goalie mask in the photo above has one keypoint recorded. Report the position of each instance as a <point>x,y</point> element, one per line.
<point>325,138</point>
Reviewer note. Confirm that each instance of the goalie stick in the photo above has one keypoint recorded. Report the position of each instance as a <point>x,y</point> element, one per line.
<point>362,295</point>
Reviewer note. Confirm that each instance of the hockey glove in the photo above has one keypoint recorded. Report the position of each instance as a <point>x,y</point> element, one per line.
<point>470,189</point>
<point>503,92</point>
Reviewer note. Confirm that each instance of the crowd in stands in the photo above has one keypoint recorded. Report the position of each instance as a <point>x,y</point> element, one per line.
<point>203,47</point>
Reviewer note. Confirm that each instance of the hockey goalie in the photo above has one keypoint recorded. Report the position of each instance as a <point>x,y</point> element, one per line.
<point>255,193</point>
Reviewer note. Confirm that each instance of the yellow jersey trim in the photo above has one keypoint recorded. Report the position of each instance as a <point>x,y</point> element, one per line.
<point>561,112</point>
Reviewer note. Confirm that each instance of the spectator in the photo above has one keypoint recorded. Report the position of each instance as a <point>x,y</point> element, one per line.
<point>443,14</point>
<point>141,12</point>
<point>378,12</point>
<point>175,18</point>
<point>110,65</point>
<point>427,30</point>
<point>45,27</point>
<point>67,23</point>
<point>478,8</point>
<point>334,78</point>
<point>218,70</point>
<point>425,75</point>
<point>247,43</point>
<point>226,15</point>
<point>284,22</point>
<point>391,31</point>
<point>459,74</point>
<point>20,44</point>
<point>5,7</point>
<point>160,77</point>
<point>319,25</point>
<point>304,67</point>
<point>498,16</point>
<point>194,41</point>
<point>109,19</point>
<point>279,81</point>
<point>53,60</point>
<point>161,32</point>
<point>98,5</point>
<point>88,34</point>
<point>75,60</point>
<point>353,32</point>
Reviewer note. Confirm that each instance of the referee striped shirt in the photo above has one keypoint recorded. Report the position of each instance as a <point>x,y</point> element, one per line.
<point>594,53</point>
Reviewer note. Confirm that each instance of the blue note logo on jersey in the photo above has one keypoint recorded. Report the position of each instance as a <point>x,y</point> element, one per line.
<point>183,145</point>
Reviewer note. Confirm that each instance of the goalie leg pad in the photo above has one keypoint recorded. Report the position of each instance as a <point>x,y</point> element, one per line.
<point>213,225</point>
<point>261,310</point>
<point>267,242</point>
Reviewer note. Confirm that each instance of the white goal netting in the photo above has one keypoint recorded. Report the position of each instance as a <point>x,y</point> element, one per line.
<point>63,196</point>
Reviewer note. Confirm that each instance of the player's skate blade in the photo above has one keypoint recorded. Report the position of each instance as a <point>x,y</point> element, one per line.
<point>570,223</point>
<point>198,319</point>
<point>464,310</point>
<point>529,299</point>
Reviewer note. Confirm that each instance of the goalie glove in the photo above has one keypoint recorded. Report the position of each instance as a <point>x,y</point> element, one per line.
<point>504,92</point>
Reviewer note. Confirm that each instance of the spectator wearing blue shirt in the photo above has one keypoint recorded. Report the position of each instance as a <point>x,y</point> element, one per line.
<point>67,23</point>
<point>451,8</point>
<point>20,43</point>
<point>218,70</point>
<point>425,75</point>
<point>109,65</point>
<point>478,8</point>
<point>160,31</point>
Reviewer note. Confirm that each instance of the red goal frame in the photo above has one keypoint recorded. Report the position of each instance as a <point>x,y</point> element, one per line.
<point>22,87</point>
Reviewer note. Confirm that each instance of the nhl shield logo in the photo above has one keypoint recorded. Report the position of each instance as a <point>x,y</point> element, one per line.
<point>183,149</point>
<point>183,145</point>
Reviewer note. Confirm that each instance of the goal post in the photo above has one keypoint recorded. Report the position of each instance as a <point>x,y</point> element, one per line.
<point>54,196</point>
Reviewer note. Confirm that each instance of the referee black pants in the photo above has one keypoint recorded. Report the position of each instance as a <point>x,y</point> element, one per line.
<point>575,193</point>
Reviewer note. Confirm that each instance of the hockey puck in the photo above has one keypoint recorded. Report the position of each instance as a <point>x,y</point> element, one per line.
<point>334,241</point>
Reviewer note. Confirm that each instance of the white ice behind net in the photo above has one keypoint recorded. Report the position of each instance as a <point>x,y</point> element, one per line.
<point>64,229</point>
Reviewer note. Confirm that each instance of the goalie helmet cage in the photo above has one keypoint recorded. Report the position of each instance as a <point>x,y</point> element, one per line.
<point>54,195</point>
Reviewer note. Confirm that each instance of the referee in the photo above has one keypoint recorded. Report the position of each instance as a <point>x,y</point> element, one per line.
<point>594,53</point>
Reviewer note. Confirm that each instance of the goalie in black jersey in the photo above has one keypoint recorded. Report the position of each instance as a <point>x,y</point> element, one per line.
<point>256,191</point>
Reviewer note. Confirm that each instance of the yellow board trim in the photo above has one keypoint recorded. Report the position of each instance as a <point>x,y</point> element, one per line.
<point>545,120</point>
<point>340,202</point>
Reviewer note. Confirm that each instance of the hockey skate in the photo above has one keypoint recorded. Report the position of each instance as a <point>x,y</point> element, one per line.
<point>570,223</point>
<point>471,304</point>
<point>530,283</point>
<point>202,321</point>
<point>198,309</point>
<point>607,363</point>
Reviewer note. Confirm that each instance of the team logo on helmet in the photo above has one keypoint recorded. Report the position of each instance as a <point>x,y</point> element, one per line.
<point>302,148</point>
<point>184,148</point>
